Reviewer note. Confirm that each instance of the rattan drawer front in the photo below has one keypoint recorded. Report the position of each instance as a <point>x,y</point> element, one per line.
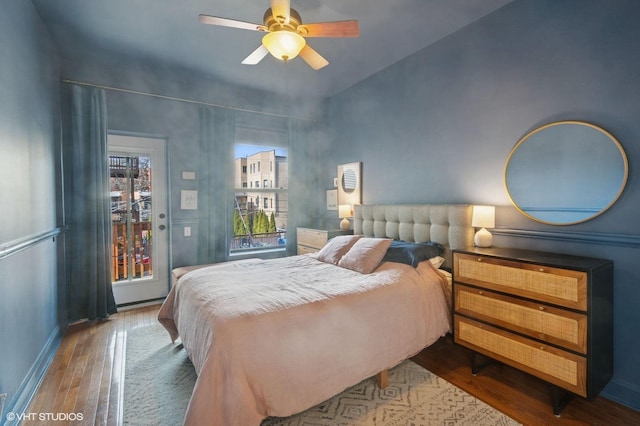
<point>554,285</point>
<point>565,328</point>
<point>563,369</point>
<point>312,238</point>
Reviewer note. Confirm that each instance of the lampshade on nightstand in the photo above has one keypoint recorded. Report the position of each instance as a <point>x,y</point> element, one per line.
<point>483,217</point>
<point>344,211</point>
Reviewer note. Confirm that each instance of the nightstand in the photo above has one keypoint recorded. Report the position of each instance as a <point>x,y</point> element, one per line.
<point>311,240</point>
<point>550,315</point>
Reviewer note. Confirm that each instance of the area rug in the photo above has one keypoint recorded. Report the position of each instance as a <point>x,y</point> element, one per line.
<point>159,379</point>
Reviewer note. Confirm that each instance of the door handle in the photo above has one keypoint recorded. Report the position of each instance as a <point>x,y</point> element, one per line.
<point>161,227</point>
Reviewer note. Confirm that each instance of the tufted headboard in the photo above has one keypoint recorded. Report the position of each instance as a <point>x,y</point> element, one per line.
<point>446,224</point>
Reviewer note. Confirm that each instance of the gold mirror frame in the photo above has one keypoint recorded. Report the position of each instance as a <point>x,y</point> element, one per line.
<point>563,156</point>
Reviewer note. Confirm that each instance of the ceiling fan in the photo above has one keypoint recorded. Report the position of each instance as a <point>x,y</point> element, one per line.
<point>285,38</point>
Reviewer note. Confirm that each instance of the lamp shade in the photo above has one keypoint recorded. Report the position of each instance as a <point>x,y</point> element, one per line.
<point>484,217</point>
<point>284,45</point>
<point>344,210</point>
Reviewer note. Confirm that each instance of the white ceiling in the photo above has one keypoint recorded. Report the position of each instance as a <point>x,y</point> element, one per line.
<point>168,32</point>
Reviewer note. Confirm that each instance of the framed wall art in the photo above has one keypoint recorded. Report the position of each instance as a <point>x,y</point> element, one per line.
<point>350,183</point>
<point>188,200</point>
<point>332,199</point>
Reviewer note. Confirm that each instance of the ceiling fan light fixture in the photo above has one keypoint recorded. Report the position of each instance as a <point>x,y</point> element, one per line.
<point>283,44</point>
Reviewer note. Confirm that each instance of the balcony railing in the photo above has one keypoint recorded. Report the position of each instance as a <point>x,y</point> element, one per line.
<point>133,254</point>
<point>120,166</point>
<point>259,241</point>
<point>140,260</point>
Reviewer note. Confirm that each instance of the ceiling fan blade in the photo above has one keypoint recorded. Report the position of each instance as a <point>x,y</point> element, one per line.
<point>313,58</point>
<point>256,56</point>
<point>214,20</point>
<point>330,29</point>
<point>281,8</point>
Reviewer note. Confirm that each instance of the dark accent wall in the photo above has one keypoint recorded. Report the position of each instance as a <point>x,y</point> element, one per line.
<point>32,306</point>
<point>438,127</point>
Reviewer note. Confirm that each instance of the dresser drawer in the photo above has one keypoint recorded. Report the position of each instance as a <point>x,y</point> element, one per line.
<point>312,238</point>
<point>553,325</point>
<point>554,285</point>
<point>564,369</point>
<point>304,249</point>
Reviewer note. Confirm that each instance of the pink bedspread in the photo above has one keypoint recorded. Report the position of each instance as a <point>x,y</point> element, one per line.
<point>275,337</point>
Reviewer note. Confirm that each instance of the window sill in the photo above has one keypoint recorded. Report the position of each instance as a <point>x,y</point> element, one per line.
<point>269,253</point>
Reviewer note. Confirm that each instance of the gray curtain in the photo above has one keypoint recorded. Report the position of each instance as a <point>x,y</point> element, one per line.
<point>215,184</point>
<point>88,208</point>
<point>307,156</point>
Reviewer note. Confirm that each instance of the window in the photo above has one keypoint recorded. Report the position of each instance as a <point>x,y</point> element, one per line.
<point>260,213</point>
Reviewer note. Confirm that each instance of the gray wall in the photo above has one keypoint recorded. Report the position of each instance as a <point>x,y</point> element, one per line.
<point>439,125</point>
<point>32,313</point>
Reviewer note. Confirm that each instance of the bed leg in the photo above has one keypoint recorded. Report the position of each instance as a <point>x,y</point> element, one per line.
<point>383,379</point>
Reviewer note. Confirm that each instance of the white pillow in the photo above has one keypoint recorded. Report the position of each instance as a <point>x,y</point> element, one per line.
<point>365,255</point>
<point>437,261</point>
<point>336,247</point>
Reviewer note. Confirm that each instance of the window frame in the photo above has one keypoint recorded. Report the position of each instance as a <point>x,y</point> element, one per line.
<point>266,198</point>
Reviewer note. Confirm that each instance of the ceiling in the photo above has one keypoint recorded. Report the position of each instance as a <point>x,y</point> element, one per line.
<point>168,32</point>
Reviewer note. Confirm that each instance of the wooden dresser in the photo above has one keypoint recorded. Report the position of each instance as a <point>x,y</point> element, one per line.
<point>311,240</point>
<point>547,314</point>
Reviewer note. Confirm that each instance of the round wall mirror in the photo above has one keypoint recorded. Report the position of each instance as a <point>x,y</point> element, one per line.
<point>349,180</point>
<point>565,172</point>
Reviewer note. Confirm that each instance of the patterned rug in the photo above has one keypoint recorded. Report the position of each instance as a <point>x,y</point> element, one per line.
<point>159,379</point>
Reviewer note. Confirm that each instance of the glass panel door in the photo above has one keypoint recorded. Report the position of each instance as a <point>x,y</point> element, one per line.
<point>140,238</point>
<point>131,213</point>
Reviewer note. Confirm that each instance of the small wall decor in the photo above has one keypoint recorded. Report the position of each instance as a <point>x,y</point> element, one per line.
<point>332,199</point>
<point>188,175</point>
<point>350,183</point>
<point>188,200</point>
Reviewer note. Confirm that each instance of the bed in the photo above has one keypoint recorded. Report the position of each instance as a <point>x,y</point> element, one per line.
<point>275,337</point>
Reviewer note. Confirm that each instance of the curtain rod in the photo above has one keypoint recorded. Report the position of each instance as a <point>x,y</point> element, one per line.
<point>172,98</point>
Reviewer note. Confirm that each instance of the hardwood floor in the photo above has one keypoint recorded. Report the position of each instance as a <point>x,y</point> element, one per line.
<point>519,395</point>
<point>86,376</point>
